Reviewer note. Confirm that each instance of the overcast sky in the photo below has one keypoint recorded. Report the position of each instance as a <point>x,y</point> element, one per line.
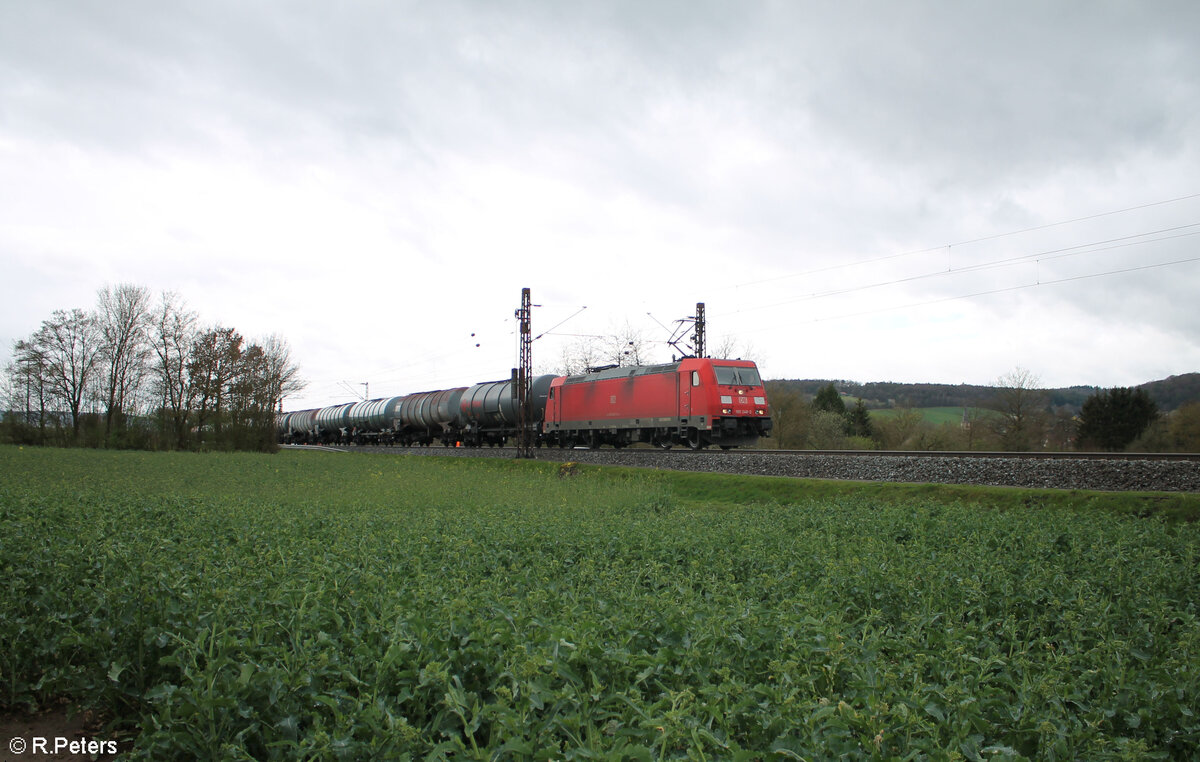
<point>873,191</point>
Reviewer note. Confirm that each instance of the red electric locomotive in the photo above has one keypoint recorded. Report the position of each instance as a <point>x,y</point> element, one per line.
<point>696,401</point>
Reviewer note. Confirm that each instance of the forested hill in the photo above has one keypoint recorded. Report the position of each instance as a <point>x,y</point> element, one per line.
<point>1168,393</point>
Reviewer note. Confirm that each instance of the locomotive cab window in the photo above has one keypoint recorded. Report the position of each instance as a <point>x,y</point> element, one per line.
<point>695,378</point>
<point>731,376</point>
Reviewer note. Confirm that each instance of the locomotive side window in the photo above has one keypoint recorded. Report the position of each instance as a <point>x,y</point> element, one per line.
<point>695,378</point>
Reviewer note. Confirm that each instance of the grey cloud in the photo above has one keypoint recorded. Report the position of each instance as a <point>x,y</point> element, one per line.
<point>782,136</point>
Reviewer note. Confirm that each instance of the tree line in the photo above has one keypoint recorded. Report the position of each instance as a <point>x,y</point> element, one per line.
<point>1168,393</point>
<point>142,372</point>
<point>1015,415</point>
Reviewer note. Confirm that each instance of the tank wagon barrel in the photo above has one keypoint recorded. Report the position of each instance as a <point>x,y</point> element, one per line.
<point>374,414</point>
<point>296,426</point>
<point>301,420</point>
<point>372,421</point>
<point>426,416</point>
<point>488,412</point>
<point>330,422</point>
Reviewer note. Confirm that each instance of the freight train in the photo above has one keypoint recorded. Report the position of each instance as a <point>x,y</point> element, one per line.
<point>694,402</point>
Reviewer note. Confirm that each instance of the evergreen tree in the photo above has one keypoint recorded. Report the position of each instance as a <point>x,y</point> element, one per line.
<point>859,420</point>
<point>829,400</point>
<point>1111,420</point>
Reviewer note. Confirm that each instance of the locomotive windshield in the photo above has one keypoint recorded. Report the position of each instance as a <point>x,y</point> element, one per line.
<point>733,376</point>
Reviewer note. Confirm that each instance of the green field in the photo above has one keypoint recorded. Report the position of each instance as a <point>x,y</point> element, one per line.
<point>331,606</point>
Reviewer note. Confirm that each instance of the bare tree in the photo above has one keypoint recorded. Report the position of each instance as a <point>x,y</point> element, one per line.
<point>27,390</point>
<point>69,343</point>
<point>580,355</point>
<point>207,380</point>
<point>123,323</point>
<point>791,415</point>
<point>246,396</point>
<point>730,347</point>
<point>239,386</point>
<point>974,426</point>
<point>1022,408</point>
<point>906,429</point>
<point>281,376</point>
<point>173,332</point>
<point>213,366</point>
<point>622,346</point>
<point>626,346</point>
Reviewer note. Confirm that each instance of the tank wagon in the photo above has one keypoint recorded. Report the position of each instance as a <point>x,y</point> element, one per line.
<point>426,416</point>
<point>296,425</point>
<point>489,412</point>
<point>695,402</point>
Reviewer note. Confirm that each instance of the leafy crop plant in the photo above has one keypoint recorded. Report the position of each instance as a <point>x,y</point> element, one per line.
<point>324,606</point>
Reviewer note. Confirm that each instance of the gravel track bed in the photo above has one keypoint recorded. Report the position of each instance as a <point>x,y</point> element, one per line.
<point>1113,475</point>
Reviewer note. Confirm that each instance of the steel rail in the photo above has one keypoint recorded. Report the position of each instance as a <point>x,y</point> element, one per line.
<point>915,454</point>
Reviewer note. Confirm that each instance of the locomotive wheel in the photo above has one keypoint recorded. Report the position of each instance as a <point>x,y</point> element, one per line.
<point>693,440</point>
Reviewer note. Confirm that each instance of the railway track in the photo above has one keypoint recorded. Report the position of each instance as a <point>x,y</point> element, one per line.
<point>1166,472</point>
<point>1111,456</point>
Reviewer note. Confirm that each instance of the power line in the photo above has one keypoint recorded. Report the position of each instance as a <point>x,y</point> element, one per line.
<point>1059,253</point>
<point>966,242</point>
<point>1006,289</point>
<point>1069,222</point>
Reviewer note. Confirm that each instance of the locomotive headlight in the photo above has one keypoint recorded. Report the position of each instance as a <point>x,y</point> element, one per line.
<point>726,399</point>
<point>760,412</point>
<point>726,410</point>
